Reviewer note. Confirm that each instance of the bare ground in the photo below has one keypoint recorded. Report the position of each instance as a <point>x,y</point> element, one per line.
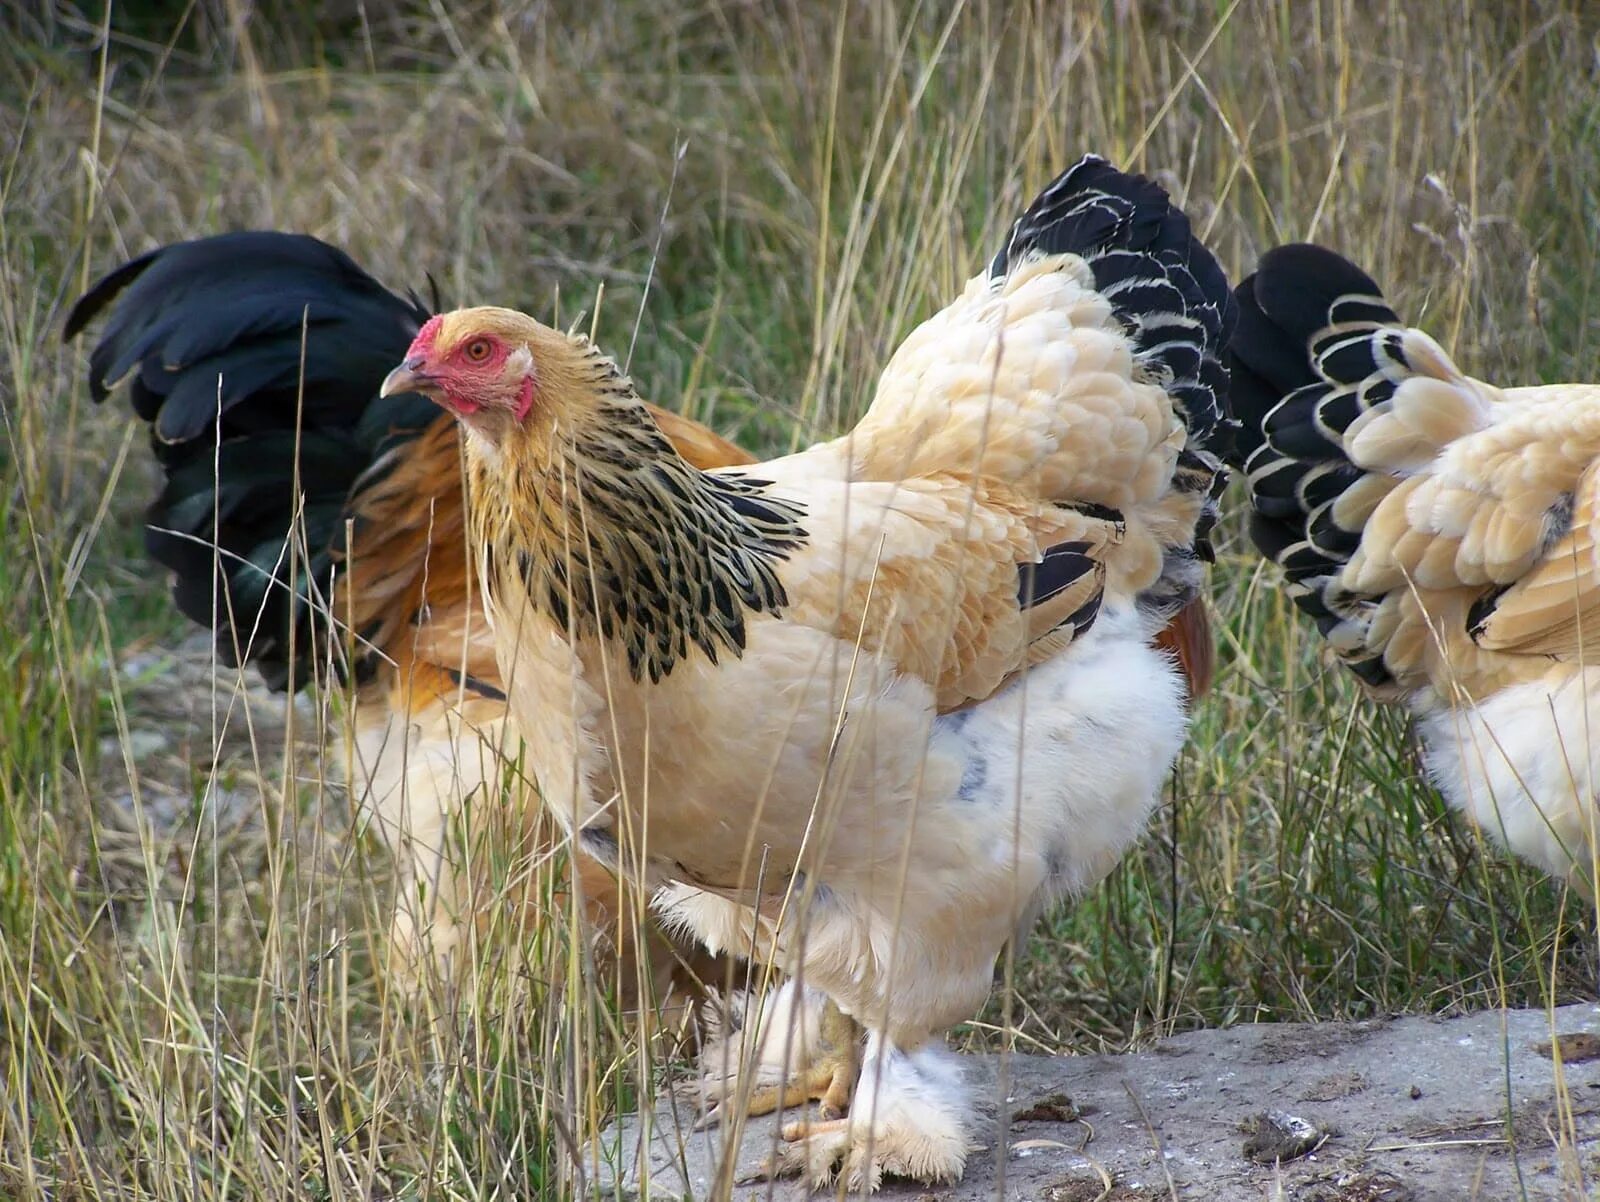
<point>1392,1110</point>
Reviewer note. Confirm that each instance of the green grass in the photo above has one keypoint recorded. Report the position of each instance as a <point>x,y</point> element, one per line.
<point>188,996</point>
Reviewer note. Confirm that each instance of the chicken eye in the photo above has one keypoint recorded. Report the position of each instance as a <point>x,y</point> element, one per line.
<point>478,350</point>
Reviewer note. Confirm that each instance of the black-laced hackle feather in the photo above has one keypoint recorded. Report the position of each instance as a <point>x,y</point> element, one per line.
<point>617,536</point>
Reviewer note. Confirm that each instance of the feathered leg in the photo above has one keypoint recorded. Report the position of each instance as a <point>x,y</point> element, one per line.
<point>911,1116</point>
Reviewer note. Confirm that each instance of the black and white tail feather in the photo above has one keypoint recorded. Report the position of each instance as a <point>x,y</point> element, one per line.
<point>1315,347</point>
<point>1164,285</point>
<point>1173,300</point>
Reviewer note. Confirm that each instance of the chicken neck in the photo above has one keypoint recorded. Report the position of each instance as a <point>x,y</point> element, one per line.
<point>616,536</point>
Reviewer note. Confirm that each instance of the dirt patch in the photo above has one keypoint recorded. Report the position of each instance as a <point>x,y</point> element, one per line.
<point>1338,1085</point>
<point>1576,1048</point>
<point>1057,1108</point>
<point>1094,1189</point>
<point>1362,1187</point>
<point>1296,1041</point>
<point>1405,1110</point>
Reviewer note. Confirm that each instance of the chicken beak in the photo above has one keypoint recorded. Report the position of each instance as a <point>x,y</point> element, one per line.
<point>409,377</point>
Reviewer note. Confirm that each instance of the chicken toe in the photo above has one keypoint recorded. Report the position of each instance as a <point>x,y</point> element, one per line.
<point>804,1049</point>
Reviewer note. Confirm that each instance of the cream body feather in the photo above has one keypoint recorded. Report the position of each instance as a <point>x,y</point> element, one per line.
<point>932,835</point>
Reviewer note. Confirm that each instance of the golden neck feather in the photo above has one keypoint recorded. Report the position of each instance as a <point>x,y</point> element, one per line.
<point>615,536</point>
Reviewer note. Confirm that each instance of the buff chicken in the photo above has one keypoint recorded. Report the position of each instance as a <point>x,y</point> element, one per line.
<point>864,710</point>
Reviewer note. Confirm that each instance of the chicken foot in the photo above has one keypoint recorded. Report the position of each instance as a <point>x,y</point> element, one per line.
<point>910,1117</point>
<point>806,1050</point>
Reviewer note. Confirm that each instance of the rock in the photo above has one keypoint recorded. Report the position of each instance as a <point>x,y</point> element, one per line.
<point>1413,1110</point>
<point>1275,1136</point>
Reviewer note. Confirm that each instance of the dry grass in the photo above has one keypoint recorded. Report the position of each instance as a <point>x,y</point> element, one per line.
<point>187,990</point>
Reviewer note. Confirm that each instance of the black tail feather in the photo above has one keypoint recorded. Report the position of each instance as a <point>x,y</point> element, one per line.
<point>257,358</point>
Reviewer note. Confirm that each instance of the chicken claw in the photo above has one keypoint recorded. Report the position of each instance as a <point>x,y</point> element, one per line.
<point>817,1060</point>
